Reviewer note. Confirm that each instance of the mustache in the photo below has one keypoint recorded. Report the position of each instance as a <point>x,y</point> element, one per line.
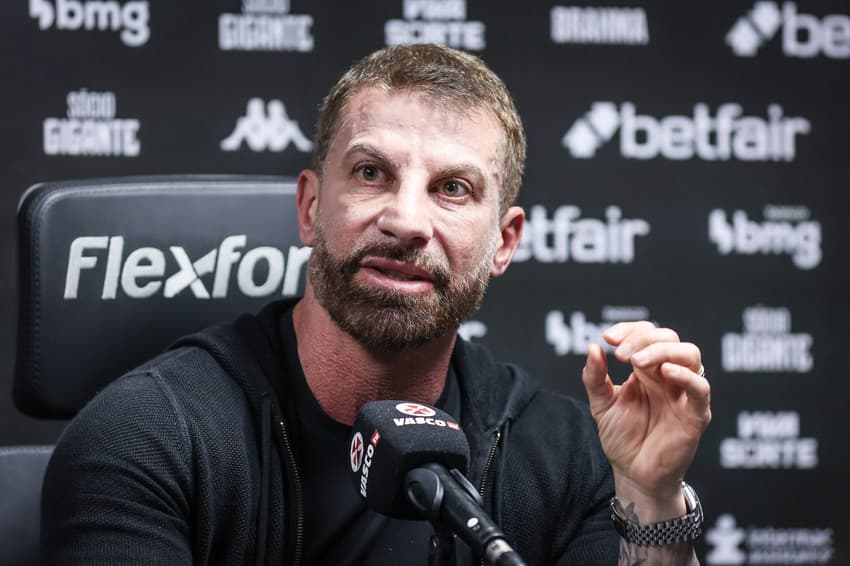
<point>439,271</point>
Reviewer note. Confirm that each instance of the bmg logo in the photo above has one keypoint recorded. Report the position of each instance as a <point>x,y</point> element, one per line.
<point>803,35</point>
<point>131,17</point>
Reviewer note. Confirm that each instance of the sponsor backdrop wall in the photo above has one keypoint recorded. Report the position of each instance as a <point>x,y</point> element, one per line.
<point>688,164</point>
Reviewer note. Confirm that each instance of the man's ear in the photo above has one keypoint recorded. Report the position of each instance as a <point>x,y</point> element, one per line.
<point>307,200</point>
<point>511,231</point>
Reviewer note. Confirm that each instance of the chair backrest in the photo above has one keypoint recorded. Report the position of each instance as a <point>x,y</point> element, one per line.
<point>21,471</point>
<point>111,271</point>
<point>114,270</point>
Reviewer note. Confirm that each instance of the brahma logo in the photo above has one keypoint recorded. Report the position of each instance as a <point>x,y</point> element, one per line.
<point>436,21</point>
<point>131,17</point>
<point>803,35</point>
<point>265,25</point>
<point>613,26</point>
<point>725,135</point>
<point>266,126</point>
<point>141,272</point>
<point>415,410</point>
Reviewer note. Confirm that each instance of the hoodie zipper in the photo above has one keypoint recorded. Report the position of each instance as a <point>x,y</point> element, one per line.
<point>489,463</point>
<point>487,466</point>
<point>299,515</point>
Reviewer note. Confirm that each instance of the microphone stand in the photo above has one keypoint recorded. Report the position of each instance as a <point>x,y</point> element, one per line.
<point>441,552</point>
<point>425,489</point>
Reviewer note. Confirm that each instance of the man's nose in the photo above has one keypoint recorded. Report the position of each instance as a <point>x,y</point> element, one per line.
<point>406,215</point>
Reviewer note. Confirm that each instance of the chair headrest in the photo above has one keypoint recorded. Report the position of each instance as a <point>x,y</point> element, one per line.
<point>112,271</point>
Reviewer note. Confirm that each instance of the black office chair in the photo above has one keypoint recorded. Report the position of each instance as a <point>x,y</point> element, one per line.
<point>114,270</point>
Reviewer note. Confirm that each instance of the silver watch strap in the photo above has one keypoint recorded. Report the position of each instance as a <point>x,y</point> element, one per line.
<point>682,529</point>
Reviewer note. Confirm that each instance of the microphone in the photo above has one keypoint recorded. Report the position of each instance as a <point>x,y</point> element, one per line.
<point>408,461</point>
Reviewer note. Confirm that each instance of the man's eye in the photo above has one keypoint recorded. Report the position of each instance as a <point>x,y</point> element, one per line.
<point>455,189</point>
<point>369,172</point>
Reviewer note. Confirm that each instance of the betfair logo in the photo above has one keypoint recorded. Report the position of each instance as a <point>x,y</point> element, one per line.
<point>726,134</point>
<point>266,127</point>
<point>803,35</point>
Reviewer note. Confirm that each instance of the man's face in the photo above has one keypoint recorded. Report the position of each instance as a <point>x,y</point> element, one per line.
<point>405,223</point>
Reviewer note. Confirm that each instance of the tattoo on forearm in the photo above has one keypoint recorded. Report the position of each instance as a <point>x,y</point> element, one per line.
<point>632,554</point>
<point>681,554</point>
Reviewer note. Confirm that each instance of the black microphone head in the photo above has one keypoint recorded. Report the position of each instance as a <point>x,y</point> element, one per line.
<point>389,439</point>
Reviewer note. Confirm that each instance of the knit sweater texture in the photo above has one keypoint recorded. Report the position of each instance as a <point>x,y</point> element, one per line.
<point>188,460</point>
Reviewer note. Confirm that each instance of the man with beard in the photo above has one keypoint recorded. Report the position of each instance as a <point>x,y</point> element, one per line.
<point>228,448</point>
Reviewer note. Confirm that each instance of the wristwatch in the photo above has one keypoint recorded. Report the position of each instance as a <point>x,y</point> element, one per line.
<point>683,529</point>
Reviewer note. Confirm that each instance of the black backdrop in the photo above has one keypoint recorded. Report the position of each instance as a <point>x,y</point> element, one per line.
<point>687,164</point>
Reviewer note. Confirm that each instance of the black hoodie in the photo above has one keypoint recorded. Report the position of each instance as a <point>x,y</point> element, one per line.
<point>187,460</point>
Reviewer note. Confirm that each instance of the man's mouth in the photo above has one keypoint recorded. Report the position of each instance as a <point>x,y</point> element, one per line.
<point>397,270</point>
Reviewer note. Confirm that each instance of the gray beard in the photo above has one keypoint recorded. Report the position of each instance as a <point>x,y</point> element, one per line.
<point>383,320</point>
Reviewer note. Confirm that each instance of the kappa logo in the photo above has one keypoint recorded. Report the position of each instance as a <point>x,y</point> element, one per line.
<point>266,127</point>
<point>356,452</point>
<point>131,17</point>
<point>141,272</point>
<point>726,135</point>
<point>803,35</point>
<point>415,410</point>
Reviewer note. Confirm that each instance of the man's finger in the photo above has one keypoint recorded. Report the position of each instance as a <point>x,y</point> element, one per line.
<point>600,388</point>
<point>681,353</point>
<point>619,331</point>
<point>642,337</point>
<point>696,387</point>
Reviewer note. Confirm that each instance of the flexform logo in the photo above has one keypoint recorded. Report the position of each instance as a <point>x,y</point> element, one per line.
<point>566,236</point>
<point>769,440</point>
<point>785,230</point>
<point>576,336</point>
<point>803,35</point>
<point>599,25</point>
<point>265,25</point>
<point>266,126</point>
<point>731,545</point>
<point>92,128</point>
<point>141,273</point>
<point>726,134</point>
<point>90,15</point>
<point>767,344</point>
<point>436,21</point>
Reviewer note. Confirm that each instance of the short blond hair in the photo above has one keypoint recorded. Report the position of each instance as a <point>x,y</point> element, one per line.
<point>457,79</point>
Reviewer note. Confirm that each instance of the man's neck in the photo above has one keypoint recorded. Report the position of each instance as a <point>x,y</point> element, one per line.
<point>343,375</point>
